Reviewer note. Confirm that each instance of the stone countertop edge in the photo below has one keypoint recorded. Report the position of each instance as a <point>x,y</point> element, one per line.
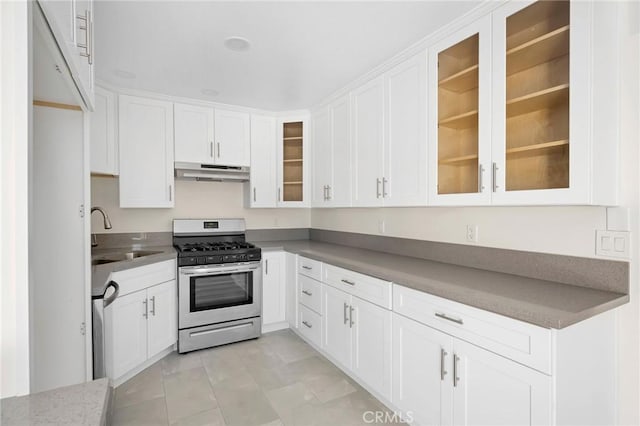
<point>100,273</point>
<point>83,404</point>
<point>543,303</point>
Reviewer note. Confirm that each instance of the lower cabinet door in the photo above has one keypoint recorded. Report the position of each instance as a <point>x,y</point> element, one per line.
<point>273,288</point>
<point>371,334</point>
<point>421,372</point>
<point>492,390</point>
<point>336,334</point>
<point>126,333</point>
<point>162,324</point>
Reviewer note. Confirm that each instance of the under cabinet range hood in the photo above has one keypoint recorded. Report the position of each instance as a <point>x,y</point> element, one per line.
<point>195,171</point>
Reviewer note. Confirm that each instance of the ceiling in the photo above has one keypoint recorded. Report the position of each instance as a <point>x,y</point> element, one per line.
<point>300,52</point>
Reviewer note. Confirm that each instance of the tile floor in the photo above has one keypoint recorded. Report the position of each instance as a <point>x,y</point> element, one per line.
<point>275,380</point>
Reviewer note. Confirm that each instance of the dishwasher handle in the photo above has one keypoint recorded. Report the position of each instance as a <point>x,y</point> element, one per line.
<point>110,299</point>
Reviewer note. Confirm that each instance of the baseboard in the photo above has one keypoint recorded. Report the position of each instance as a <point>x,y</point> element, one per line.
<point>268,328</point>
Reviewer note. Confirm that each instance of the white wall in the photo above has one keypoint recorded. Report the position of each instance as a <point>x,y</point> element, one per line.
<point>193,200</point>
<point>15,100</point>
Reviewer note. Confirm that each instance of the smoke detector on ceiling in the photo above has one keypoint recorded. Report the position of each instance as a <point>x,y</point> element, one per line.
<point>237,44</point>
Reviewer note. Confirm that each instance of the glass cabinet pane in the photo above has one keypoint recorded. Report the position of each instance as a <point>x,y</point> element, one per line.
<point>458,118</point>
<point>292,161</point>
<point>537,97</point>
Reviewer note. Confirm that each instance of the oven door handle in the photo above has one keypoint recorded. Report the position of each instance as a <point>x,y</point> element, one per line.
<point>209,271</point>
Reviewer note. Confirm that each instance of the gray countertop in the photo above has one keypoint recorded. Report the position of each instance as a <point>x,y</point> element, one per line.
<point>85,404</point>
<point>100,273</point>
<point>544,303</point>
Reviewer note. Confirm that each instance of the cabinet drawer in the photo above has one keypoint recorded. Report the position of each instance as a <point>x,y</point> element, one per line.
<point>517,340</point>
<point>310,268</point>
<point>142,277</point>
<point>310,325</point>
<point>310,293</point>
<point>365,287</point>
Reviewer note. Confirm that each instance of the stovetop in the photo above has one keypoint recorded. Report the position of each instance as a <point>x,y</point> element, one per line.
<point>213,246</point>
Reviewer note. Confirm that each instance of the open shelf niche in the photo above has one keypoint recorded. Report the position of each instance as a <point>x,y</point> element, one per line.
<point>292,161</point>
<point>537,97</point>
<point>458,117</point>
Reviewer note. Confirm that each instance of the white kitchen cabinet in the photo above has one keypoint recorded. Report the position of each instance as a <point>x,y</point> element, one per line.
<point>232,138</point>
<point>71,22</point>
<point>141,323</point>
<point>367,117</point>
<point>331,155</point>
<point>293,162</point>
<point>103,124</point>
<point>357,334</point>
<point>273,291</point>
<point>405,154</point>
<point>146,152</point>
<point>489,389</point>
<point>162,326</point>
<point>194,137</point>
<point>126,333</point>
<point>261,190</point>
<point>459,117</point>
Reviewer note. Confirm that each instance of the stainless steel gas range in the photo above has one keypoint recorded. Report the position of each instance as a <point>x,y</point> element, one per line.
<point>219,283</point>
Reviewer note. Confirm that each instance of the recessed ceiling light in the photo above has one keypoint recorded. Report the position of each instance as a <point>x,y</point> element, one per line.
<point>237,44</point>
<point>124,74</point>
<point>209,92</point>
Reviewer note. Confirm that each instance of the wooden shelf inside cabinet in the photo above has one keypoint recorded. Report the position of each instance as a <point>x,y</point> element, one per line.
<point>461,121</point>
<point>293,160</point>
<point>458,160</point>
<point>461,81</point>
<point>542,99</point>
<point>538,146</point>
<point>293,183</point>
<point>293,138</point>
<point>539,50</point>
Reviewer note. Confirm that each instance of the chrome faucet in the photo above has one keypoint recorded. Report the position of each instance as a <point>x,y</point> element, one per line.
<point>106,223</point>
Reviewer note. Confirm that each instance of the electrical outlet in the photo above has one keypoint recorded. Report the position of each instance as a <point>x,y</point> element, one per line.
<point>472,233</point>
<point>613,244</point>
<point>381,226</point>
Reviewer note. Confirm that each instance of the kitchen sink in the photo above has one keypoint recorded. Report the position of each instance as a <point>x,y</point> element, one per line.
<point>117,257</point>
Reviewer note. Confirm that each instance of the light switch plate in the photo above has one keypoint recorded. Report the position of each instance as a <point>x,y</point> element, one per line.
<point>613,244</point>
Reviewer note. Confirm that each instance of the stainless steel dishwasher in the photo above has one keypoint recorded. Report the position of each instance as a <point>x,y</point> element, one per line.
<point>111,291</point>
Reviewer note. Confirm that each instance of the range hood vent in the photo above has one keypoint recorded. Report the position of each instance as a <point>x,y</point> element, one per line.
<point>208,172</point>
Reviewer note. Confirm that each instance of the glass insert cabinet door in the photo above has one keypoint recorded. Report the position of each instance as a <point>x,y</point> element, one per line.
<point>292,161</point>
<point>537,97</point>
<point>220,291</point>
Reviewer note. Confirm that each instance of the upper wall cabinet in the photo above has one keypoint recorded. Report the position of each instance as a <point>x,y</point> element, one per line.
<point>71,22</point>
<point>389,140</point>
<point>292,160</point>
<point>459,116</point>
<point>103,125</point>
<point>547,111</point>
<point>262,184</point>
<point>146,152</point>
<point>207,136</point>
<point>331,155</point>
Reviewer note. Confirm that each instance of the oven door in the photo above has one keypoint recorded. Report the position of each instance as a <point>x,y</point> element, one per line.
<point>212,294</point>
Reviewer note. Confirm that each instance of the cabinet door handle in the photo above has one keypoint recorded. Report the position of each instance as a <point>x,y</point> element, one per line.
<point>145,313</point>
<point>384,187</point>
<point>153,306</point>
<point>328,192</point>
<point>308,268</point>
<point>308,293</point>
<point>448,318</point>
<point>480,180</point>
<point>266,266</point>
<point>324,192</point>
<point>494,175</point>
<point>345,312</point>
<point>351,309</point>
<point>378,182</point>
<point>88,28</point>
<point>211,148</point>
<point>348,282</point>
<point>218,149</point>
<point>456,379</point>
<point>254,194</point>
<point>170,193</point>
<point>307,324</point>
<point>443,371</point>
<point>279,194</point>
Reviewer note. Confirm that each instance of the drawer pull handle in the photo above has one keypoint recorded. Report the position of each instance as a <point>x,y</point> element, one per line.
<point>308,293</point>
<point>443,316</point>
<point>307,324</point>
<point>308,268</point>
<point>348,282</point>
